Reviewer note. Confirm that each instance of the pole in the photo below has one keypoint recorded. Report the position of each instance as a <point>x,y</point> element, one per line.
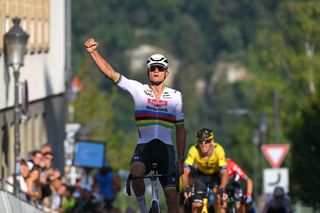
<point>276,117</point>
<point>256,142</point>
<point>16,131</point>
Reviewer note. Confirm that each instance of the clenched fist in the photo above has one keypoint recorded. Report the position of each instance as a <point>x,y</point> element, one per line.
<point>91,45</point>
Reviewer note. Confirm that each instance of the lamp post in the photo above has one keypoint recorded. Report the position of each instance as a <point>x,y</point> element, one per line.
<point>15,42</point>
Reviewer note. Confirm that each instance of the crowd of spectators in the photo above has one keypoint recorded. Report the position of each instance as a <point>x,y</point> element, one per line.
<point>44,187</point>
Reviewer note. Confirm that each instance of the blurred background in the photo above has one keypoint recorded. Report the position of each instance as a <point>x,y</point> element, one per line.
<point>249,70</point>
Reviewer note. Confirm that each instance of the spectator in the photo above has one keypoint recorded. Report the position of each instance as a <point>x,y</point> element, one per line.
<point>278,202</point>
<point>76,193</point>
<point>105,181</point>
<point>48,160</point>
<point>46,148</point>
<point>36,159</point>
<point>61,192</point>
<point>87,202</point>
<point>33,186</point>
<point>47,175</point>
<point>24,173</point>
<point>57,191</point>
<point>68,201</point>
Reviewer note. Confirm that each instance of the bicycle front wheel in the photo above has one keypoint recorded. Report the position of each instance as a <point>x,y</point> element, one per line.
<point>154,207</point>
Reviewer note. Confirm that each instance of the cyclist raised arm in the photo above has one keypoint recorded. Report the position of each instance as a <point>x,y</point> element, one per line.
<point>235,172</point>
<point>209,158</point>
<point>158,110</point>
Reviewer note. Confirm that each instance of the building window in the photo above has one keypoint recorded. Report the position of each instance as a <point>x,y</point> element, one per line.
<point>34,16</point>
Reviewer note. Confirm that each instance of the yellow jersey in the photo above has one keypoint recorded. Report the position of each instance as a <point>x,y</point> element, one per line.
<point>208,165</point>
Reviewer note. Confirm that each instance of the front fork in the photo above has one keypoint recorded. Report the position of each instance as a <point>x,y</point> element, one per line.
<point>154,193</point>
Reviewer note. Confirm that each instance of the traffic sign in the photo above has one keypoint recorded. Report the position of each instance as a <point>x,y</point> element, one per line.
<point>275,153</point>
<point>275,177</point>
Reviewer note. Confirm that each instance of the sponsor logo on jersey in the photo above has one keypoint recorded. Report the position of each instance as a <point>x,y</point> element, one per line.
<point>160,103</point>
<point>166,95</point>
<point>148,92</point>
<point>157,109</point>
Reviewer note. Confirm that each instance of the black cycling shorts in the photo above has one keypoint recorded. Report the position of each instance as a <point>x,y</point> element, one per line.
<point>163,154</point>
<point>203,181</point>
<point>234,190</point>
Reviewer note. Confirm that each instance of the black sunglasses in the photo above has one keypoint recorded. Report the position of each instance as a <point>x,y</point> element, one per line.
<point>159,67</point>
<point>203,142</point>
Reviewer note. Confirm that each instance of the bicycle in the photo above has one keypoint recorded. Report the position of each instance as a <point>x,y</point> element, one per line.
<point>153,176</point>
<point>231,208</point>
<point>207,200</point>
<point>236,195</point>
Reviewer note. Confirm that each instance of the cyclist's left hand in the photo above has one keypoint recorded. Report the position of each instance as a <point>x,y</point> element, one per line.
<point>248,199</point>
<point>222,194</point>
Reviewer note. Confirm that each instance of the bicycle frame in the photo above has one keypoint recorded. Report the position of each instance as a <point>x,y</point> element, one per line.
<point>205,205</point>
<point>205,199</point>
<point>154,203</point>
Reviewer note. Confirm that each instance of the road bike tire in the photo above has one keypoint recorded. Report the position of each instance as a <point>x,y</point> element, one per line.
<point>154,207</point>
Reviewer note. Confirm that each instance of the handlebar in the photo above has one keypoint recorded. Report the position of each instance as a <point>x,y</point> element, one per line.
<point>152,177</point>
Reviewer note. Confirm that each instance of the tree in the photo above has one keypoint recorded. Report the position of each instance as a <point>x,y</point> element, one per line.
<point>305,153</point>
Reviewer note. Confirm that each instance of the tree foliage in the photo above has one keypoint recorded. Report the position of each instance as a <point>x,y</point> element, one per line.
<point>94,110</point>
<point>305,146</point>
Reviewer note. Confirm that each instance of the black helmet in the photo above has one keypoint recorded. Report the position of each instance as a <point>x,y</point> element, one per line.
<point>278,191</point>
<point>204,135</point>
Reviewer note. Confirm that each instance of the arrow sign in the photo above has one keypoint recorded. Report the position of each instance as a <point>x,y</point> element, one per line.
<point>275,153</point>
<point>275,177</point>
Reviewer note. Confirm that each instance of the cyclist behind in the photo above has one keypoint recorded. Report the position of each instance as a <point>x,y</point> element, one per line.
<point>158,110</point>
<point>211,170</point>
<point>279,202</point>
<point>235,173</point>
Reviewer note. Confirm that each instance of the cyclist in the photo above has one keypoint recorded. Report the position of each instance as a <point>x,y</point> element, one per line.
<point>211,170</point>
<point>279,202</point>
<point>158,110</point>
<point>235,174</point>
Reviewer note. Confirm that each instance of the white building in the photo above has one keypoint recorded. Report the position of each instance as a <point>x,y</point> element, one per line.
<point>45,66</point>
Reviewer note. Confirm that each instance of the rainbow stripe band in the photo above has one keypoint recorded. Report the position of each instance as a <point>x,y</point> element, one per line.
<point>148,118</point>
<point>117,79</point>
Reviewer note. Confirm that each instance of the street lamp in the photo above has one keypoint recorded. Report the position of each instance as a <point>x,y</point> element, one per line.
<point>15,43</point>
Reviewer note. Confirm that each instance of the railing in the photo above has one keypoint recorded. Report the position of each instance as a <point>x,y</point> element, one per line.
<point>9,203</point>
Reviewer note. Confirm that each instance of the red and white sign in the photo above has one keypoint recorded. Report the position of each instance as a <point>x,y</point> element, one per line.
<point>275,153</point>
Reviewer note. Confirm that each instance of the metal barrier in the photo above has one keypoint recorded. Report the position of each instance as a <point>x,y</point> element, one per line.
<point>11,204</point>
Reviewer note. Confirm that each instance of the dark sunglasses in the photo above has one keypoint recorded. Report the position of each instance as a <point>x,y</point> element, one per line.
<point>203,142</point>
<point>159,67</point>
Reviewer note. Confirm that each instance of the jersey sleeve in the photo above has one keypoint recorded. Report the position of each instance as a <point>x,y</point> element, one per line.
<point>237,169</point>
<point>190,157</point>
<point>179,108</point>
<point>128,85</point>
<point>221,156</point>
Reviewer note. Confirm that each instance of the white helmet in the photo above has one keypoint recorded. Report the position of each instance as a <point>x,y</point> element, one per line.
<point>157,59</point>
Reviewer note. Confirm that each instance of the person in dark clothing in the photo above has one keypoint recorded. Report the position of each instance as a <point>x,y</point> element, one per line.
<point>103,180</point>
<point>279,202</point>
